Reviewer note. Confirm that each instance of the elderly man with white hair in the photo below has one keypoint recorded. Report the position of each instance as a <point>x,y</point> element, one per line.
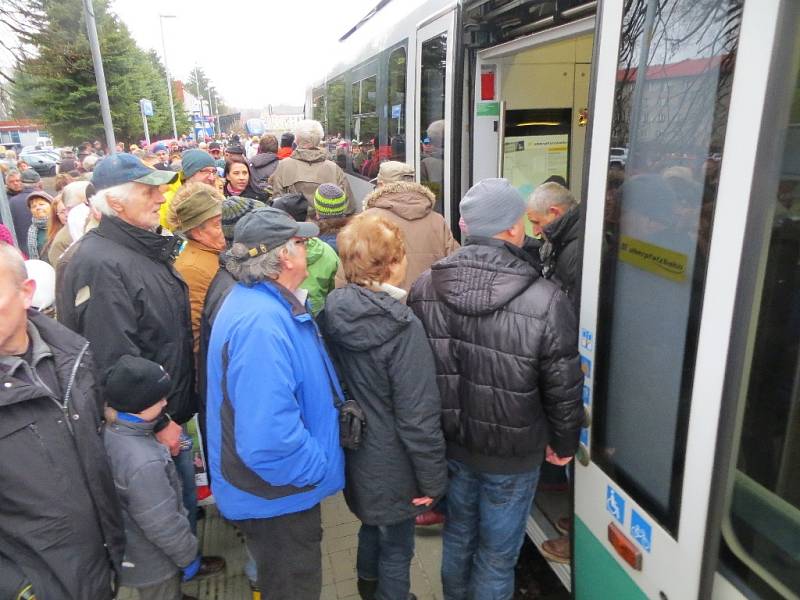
<point>555,216</point>
<point>122,293</point>
<point>308,167</point>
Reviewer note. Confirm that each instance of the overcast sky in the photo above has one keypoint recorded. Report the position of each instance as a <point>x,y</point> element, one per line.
<point>256,52</point>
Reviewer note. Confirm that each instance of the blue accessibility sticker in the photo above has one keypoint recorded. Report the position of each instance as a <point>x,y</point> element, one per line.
<point>585,437</point>
<point>587,340</point>
<point>586,367</point>
<point>586,395</point>
<point>641,531</point>
<point>615,504</point>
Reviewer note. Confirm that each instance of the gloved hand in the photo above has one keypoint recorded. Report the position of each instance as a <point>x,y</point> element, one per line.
<point>190,571</point>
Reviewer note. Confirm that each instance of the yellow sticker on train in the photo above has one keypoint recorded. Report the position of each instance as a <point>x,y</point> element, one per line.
<point>654,259</point>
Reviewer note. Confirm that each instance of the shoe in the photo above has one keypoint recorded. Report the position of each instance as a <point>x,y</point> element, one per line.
<point>209,565</point>
<point>564,525</point>
<point>367,588</point>
<point>428,518</point>
<point>557,550</point>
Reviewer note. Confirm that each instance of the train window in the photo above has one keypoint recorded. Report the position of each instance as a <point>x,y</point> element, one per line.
<point>432,98</point>
<point>676,58</point>
<point>318,96</point>
<point>397,105</point>
<point>364,128</point>
<point>762,529</point>
<point>335,106</point>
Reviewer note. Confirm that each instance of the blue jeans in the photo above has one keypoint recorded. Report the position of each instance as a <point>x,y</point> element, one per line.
<point>385,553</point>
<point>484,531</point>
<point>184,464</point>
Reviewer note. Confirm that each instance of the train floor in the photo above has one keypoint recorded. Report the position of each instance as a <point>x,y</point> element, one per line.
<point>339,542</point>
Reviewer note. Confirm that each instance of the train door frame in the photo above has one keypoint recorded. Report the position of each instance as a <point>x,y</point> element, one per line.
<point>443,22</point>
<point>672,567</point>
<point>487,129</point>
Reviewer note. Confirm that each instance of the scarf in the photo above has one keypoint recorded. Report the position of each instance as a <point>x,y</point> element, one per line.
<point>234,191</point>
<point>37,224</point>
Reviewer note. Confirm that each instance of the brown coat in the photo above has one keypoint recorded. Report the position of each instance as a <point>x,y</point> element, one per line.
<point>304,171</point>
<point>197,264</point>
<point>410,206</point>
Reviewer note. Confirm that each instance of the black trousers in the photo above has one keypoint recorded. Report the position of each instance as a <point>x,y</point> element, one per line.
<point>287,554</point>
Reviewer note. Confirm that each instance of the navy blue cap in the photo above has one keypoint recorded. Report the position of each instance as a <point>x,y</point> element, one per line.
<point>122,168</point>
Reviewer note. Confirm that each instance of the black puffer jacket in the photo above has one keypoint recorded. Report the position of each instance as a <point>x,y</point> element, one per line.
<point>560,253</point>
<point>122,293</point>
<point>385,363</point>
<point>60,519</point>
<point>506,347</point>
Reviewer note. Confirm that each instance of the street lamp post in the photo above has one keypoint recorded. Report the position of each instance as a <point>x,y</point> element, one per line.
<point>166,68</point>
<point>99,75</point>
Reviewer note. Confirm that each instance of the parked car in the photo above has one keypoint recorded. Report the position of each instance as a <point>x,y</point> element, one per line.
<point>42,160</point>
<point>619,156</point>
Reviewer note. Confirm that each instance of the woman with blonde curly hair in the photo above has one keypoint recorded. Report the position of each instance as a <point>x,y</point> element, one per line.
<point>386,365</point>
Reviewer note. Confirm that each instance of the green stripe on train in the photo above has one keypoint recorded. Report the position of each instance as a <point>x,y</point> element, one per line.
<point>597,575</point>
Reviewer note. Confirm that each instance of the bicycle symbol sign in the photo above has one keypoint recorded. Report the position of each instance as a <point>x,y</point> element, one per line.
<point>641,531</point>
<point>615,504</point>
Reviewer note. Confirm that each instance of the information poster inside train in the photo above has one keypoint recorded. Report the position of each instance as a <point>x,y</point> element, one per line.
<point>529,160</point>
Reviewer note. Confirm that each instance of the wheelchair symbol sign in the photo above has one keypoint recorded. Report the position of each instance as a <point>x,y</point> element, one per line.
<point>615,504</point>
<point>641,531</point>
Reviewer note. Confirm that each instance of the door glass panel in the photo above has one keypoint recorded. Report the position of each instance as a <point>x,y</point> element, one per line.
<point>763,529</point>
<point>676,63</point>
<point>365,160</point>
<point>336,116</point>
<point>432,105</point>
<point>319,107</point>
<point>397,105</point>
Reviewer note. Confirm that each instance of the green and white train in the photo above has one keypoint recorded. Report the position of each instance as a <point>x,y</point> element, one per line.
<point>677,123</point>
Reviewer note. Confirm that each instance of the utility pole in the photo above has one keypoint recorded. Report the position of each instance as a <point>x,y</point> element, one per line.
<point>211,109</point>
<point>166,68</point>
<point>99,75</point>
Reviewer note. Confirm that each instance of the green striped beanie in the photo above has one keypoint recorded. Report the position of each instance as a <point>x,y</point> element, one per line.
<point>330,201</point>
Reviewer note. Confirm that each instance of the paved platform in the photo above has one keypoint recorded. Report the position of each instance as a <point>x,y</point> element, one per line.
<point>339,543</point>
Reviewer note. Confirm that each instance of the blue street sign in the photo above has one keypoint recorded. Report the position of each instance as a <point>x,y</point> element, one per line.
<point>147,107</point>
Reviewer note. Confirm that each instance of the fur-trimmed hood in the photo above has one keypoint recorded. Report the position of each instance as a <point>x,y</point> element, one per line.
<point>407,199</point>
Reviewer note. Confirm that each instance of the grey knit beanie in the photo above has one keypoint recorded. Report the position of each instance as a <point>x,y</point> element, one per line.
<point>491,206</point>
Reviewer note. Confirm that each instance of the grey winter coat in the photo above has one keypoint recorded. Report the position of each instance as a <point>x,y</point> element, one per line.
<point>60,519</point>
<point>560,254</point>
<point>262,166</point>
<point>506,348</point>
<point>385,363</point>
<point>159,539</point>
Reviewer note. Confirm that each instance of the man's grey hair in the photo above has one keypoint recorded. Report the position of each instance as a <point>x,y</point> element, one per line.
<point>550,194</point>
<point>12,260</point>
<point>309,133</point>
<point>120,192</point>
<point>89,162</point>
<point>11,172</point>
<point>264,267</point>
<point>74,194</point>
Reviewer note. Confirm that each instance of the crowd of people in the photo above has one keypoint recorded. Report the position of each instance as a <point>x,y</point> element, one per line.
<point>324,345</point>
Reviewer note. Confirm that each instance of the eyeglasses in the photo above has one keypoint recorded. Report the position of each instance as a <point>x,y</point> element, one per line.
<point>208,171</point>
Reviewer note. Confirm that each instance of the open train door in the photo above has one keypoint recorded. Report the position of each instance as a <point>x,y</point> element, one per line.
<point>681,105</point>
<point>434,106</point>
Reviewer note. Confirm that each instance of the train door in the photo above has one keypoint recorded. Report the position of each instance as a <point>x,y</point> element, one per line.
<point>434,106</point>
<point>679,94</point>
<point>531,107</point>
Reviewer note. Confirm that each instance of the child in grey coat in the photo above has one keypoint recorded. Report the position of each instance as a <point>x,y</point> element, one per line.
<point>160,545</point>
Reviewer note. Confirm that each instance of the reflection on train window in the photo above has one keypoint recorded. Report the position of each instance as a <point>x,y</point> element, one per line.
<point>335,109</point>
<point>397,106</point>
<point>318,113</point>
<point>432,104</point>
<point>762,531</point>
<point>365,159</point>
<point>670,109</point>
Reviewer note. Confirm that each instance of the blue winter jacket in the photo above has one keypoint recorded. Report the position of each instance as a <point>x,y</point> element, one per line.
<point>273,432</point>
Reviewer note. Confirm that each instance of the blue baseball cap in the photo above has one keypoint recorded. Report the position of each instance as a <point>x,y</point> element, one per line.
<point>122,168</point>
